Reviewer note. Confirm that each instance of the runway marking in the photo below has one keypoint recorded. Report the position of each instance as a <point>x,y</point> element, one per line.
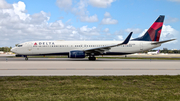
<point>89,69</point>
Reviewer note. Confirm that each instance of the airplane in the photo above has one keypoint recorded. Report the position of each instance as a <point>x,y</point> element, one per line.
<point>153,53</point>
<point>91,49</point>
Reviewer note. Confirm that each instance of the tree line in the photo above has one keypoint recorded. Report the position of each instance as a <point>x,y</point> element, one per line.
<point>5,49</point>
<point>170,51</point>
<point>165,51</point>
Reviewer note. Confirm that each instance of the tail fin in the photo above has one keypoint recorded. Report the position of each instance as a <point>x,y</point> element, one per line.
<point>157,51</point>
<point>154,32</point>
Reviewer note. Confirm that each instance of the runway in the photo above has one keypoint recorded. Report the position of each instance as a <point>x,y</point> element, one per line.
<point>79,67</point>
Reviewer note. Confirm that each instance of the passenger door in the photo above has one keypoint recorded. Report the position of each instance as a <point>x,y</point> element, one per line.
<point>29,47</point>
<point>141,46</point>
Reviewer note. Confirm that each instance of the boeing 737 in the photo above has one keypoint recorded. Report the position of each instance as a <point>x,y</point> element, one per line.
<point>90,49</point>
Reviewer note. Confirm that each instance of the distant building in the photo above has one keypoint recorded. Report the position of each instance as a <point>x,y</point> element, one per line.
<point>165,49</point>
<point>9,53</point>
<point>1,52</point>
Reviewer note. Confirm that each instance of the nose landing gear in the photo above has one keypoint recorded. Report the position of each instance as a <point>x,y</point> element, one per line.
<point>26,58</point>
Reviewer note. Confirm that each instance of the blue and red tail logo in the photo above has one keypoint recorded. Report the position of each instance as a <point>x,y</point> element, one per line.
<point>154,32</point>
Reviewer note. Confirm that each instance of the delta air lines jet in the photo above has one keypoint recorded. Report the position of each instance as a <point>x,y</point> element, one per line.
<point>81,49</point>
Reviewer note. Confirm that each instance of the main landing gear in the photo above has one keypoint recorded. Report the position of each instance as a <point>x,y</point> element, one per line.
<point>26,58</point>
<point>92,58</point>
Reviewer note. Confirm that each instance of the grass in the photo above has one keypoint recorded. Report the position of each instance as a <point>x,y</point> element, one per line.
<point>85,88</point>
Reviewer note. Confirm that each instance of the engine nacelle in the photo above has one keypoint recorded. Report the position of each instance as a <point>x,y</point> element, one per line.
<point>76,54</point>
<point>20,56</point>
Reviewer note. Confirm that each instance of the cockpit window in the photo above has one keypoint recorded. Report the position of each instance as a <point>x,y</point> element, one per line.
<point>19,45</point>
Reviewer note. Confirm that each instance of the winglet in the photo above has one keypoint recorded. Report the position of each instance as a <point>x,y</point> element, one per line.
<point>127,39</point>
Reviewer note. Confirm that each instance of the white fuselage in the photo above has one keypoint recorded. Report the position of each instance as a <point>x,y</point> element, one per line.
<point>64,47</point>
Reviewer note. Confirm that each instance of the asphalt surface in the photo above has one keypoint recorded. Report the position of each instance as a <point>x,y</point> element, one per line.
<point>78,67</point>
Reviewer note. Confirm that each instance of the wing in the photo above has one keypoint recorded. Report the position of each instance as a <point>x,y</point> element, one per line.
<point>106,48</point>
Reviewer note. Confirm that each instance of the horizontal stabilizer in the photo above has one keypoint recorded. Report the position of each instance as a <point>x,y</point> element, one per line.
<point>155,43</point>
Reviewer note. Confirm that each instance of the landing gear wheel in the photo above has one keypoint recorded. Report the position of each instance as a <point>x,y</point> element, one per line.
<point>26,58</point>
<point>92,58</point>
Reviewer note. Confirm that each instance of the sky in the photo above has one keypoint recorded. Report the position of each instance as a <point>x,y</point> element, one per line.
<point>111,20</point>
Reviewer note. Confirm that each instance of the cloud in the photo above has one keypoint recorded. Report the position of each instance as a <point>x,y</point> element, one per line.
<point>134,30</point>
<point>143,32</point>
<point>107,20</point>
<point>120,37</point>
<point>39,18</point>
<point>55,25</point>
<point>171,20</point>
<point>175,1</point>
<point>107,14</point>
<point>93,18</point>
<point>101,3</point>
<point>4,5</point>
<point>167,32</point>
<point>106,30</point>
<point>120,32</point>
<point>19,9</point>
<point>89,31</point>
<point>64,4</point>
<point>17,26</point>
<point>79,9</point>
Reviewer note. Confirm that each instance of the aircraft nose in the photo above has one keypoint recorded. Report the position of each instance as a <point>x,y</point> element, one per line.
<point>13,50</point>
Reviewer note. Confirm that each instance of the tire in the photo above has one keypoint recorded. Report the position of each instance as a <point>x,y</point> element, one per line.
<point>26,58</point>
<point>92,58</point>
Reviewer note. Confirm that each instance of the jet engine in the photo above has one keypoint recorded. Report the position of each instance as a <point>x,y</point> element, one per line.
<point>76,54</point>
